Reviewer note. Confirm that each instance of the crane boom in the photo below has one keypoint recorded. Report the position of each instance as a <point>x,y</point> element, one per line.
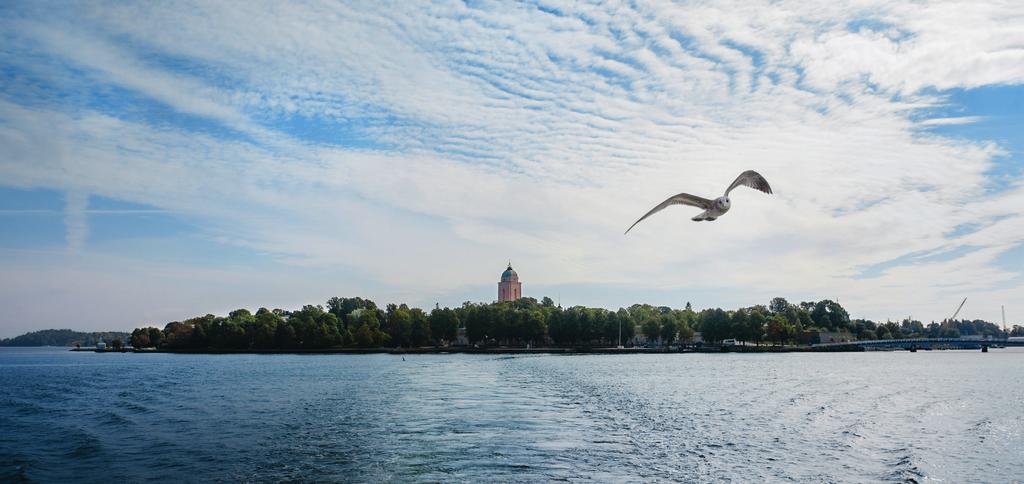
<point>958,308</point>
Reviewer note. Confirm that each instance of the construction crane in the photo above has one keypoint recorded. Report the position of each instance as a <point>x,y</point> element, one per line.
<point>958,308</point>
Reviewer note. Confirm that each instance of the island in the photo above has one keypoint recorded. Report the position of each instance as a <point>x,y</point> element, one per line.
<point>64,337</point>
<point>355,323</point>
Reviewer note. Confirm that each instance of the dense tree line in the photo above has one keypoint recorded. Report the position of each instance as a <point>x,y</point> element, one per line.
<point>63,337</point>
<point>345,322</point>
<point>358,322</point>
<point>783,322</point>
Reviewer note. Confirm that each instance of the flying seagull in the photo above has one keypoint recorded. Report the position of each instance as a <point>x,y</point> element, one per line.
<point>712,208</point>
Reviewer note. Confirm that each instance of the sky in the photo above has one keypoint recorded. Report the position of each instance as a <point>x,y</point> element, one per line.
<point>162,160</point>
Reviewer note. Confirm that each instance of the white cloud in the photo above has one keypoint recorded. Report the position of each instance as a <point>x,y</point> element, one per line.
<point>952,121</point>
<point>506,131</point>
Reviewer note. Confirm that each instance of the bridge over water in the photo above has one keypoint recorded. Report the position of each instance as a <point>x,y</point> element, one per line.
<point>927,343</point>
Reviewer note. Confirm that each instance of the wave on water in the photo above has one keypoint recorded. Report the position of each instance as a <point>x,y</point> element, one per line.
<point>481,418</point>
<point>904,467</point>
<point>14,470</point>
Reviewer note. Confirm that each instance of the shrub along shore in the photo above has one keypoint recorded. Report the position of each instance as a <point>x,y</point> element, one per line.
<point>357,325</point>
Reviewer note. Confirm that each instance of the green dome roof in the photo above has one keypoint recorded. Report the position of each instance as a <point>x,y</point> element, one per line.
<point>509,275</point>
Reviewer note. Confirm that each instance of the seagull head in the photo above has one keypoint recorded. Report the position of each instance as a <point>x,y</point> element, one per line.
<point>723,203</point>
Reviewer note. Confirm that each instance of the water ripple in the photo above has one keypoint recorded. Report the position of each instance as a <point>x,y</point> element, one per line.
<point>510,418</point>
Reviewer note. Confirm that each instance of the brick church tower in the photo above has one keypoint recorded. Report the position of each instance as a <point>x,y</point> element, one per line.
<point>509,289</point>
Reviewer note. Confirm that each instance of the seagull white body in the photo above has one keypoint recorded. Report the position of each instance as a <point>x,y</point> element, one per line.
<point>712,208</point>
<point>718,208</point>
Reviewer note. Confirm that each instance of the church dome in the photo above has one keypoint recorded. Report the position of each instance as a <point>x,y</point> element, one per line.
<point>509,275</point>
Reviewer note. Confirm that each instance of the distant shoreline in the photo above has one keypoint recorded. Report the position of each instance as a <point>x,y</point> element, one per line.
<point>490,351</point>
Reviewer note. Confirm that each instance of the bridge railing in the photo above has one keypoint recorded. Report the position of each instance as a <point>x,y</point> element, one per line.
<point>911,341</point>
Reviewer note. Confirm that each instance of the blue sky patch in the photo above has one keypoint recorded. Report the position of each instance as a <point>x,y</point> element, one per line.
<point>31,218</point>
<point>996,114</point>
<point>349,133</point>
<point>877,25</point>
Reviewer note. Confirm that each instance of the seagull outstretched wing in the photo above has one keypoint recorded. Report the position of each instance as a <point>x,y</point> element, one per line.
<point>751,179</point>
<point>681,199</point>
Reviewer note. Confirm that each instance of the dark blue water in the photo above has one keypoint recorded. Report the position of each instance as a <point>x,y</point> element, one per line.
<point>952,416</point>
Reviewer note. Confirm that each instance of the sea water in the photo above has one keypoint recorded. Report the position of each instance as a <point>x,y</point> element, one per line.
<point>944,416</point>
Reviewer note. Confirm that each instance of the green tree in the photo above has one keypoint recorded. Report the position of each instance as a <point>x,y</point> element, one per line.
<point>240,315</point>
<point>756,326</point>
<point>912,328</point>
<point>627,324</point>
<point>652,329</point>
<point>669,329</point>
<point>285,336</point>
<point>444,324</point>
<point>739,325</point>
<point>893,330</point>
<point>177,335</point>
<point>347,339</point>
<point>499,321</point>
<point>829,314</point>
<point>140,338</point>
<point>420,329</point>
<point>778,305</point>
<point>534,326</point>
<point>804,317</point>
<point>714,324</point>
<point>368,332</point>
<point>685,331</point>
<point>264,330</point>
<point>364,336</point>
<point>342,308</point>
<point>592,324</point>
<point>155,337</point>
<point>554,323</point>
<point>316,328</point>
<point>478,323</point>
<point>778,329</point>
<point>527,303</point>
<point>399,325</point>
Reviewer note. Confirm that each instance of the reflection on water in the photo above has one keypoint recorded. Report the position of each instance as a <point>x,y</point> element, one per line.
<point>953,416</point>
